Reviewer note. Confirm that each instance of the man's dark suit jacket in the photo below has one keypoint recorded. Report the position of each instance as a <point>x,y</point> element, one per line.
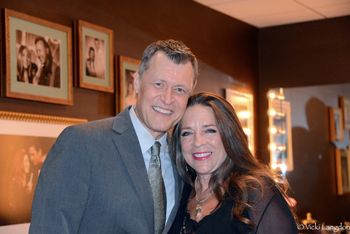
<point>95,181</point>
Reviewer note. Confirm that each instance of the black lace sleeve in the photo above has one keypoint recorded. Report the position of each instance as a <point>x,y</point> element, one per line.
<point>272,214</point>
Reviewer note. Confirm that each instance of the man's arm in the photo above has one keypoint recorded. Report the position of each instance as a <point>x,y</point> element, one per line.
<point>62,188</point>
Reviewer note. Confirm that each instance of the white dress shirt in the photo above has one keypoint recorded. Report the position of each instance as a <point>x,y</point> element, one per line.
<point>146,141</point>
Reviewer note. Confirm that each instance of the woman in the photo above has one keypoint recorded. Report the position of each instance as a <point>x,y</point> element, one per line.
<point>90,63</point>
<point>130,96</point>
<point>20,193</point>
<point>227,190</point>
<point>26,70</point>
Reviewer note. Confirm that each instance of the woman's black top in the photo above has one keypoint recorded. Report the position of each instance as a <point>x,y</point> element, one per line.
<point>217,222</point>
<point>270,214</point>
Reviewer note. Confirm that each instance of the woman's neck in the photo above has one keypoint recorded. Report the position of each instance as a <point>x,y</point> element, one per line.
<point>202,183</point>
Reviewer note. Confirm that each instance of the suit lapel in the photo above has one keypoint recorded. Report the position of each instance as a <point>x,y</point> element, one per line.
<point>128,146</point>
<point>178,192</point>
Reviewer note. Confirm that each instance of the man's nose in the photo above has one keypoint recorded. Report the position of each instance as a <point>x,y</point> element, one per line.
<point>167,96</point>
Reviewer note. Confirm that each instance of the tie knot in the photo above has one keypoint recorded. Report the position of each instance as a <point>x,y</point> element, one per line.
<point>155,149</point>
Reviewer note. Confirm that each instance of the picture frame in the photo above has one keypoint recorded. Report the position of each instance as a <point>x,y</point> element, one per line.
<point>95,57</point>
<point>336,128</point>
<point>25,139</point>
<point>243,104</point>
<point>127,96</point>
<point>342,161</point>
<point>38,59</point>
<point>344,104</point>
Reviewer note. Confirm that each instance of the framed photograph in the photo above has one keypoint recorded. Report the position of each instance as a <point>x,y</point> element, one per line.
<point>344,104</point>
<point>25,140</point>
<point>242,102</point>
<point>336,128</point>
<point>127,68</point>
<point>342,160</point>
<point>95,57</point>
<point>38,59</point>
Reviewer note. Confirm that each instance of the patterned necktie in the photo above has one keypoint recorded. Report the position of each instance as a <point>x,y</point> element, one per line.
<point>158,190</point>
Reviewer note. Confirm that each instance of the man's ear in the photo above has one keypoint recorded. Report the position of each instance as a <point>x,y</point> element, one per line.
<point>137,82</point>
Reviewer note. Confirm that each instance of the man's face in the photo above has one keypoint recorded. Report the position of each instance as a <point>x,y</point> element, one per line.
<point>41,51</point>
<point>163,91</point>
<point>35,155</point>
<point>97,44</point>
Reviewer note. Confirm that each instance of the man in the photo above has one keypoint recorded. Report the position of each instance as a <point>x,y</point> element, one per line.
<point>37,159</point>
<point>48,71</point>
<point>100,60</point>
<point>95,179</point>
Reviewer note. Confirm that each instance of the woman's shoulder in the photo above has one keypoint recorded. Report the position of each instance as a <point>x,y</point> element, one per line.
<point>261,192</point>
<point>261,196</point>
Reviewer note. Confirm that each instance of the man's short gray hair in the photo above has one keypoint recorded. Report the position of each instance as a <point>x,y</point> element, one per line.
<point>176,51</point>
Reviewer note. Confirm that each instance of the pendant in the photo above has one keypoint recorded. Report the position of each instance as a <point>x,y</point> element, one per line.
<point>198,210</point>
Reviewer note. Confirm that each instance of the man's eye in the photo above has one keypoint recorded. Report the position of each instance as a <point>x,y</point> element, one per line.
<point>158,84</point>
<point>180,90</point>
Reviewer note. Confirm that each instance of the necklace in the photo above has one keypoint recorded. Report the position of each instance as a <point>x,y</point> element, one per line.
<point>199,202</point>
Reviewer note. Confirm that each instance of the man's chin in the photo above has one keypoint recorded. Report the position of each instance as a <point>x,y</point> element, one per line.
<point>161,129</point>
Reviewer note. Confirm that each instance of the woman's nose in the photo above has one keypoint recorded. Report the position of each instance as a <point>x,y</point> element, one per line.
<point>198,139</point>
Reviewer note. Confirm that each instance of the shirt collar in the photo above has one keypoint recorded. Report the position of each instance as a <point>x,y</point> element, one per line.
<point>144,136</point>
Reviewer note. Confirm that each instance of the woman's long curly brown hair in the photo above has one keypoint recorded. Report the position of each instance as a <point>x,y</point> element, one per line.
<point>240,172</point>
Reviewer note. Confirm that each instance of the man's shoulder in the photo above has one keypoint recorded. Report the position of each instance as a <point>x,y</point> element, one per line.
<point>95,124</point>
<point>88,128</point>
<point>98,128</point>
<point>120,119</point>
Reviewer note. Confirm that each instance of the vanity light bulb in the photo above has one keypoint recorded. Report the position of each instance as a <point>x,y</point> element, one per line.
<point>281,147</point>
<point>271,95</point>
<point>247,131</point>
<point>273,130</point>
<point>273,165</point>
<point>271,112</point>
<point>283,167</point>
<point>243,114</point>
<point>272,146</point>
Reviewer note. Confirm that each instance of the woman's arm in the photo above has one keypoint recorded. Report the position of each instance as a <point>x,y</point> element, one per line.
<point>272,214</point>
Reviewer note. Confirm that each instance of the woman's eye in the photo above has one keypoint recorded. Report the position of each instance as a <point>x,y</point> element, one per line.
<point>211,130</point>
<point>185,133</point>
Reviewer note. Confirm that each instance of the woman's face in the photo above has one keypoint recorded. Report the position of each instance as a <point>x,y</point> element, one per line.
<point>92,55</point>
<point>200,139</point>
<point>25,58</point>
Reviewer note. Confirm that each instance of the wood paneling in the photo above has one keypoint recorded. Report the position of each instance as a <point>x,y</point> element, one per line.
<point>227,47</point>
